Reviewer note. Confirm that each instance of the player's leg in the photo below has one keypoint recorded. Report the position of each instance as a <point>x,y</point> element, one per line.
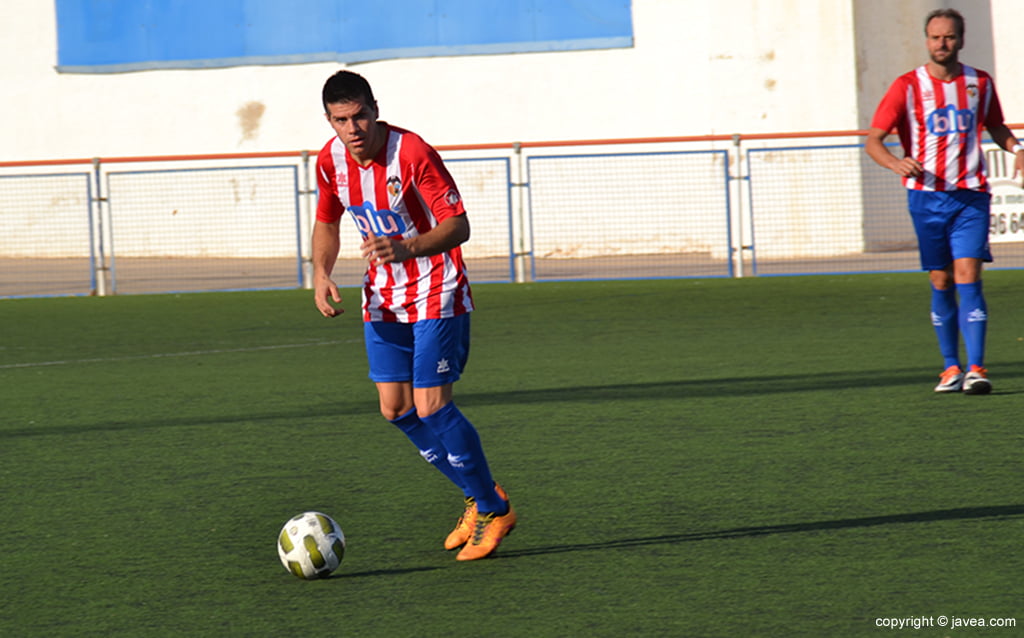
<point>480,532</point>
<point>465,451</point>
<point>970,248</point>
<point>973,311</point>
<point>945,319</point>
<point>389,351</point>
<point>930,218</point>
<point>441,353</point>
<point>487,499</point>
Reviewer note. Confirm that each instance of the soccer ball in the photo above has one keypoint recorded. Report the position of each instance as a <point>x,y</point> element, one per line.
<point>311,545</point>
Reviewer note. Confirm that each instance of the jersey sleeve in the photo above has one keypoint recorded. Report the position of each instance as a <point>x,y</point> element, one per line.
<point>994,114</point>
<point>892,110</point>
<point>328,207</point>
<point>435,183</point>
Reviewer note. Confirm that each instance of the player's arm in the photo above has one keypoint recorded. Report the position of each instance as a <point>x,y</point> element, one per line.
<point>451,232</point>
<point>326,244</point>
<point>1004,137</point>
<point>890,113</point>
<point>874,145</point>
<point>438,189</point>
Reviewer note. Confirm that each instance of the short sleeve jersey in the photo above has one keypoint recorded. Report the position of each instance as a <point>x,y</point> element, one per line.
<point>405,191</point>
<point>940,125</point>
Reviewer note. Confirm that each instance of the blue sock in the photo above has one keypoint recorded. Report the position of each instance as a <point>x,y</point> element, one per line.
<point>973,321</point>
<point>430,446</point>
<point>947,328</point>
<point>466,455</point>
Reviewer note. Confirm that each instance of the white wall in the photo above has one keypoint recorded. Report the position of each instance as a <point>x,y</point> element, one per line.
<point>747,66</point>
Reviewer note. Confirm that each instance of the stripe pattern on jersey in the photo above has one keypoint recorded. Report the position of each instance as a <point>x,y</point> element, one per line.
<point>386,200</point>
<point>944,129</point>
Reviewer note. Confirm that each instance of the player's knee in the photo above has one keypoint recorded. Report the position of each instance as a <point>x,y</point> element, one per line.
<point>427,408</point>
<point>941,279</point>
<point>392,411</point>
<point>430,400</point>
<point>967,272</point>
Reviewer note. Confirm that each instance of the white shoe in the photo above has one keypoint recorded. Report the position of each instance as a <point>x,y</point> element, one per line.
<point>976,381</point>
<point>951,380</point>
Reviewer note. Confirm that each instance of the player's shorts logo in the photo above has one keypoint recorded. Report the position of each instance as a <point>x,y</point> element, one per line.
<point>382,223</point>
<point>950,121</point>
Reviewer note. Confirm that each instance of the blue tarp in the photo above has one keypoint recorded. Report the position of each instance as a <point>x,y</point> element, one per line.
<point>110,36</point>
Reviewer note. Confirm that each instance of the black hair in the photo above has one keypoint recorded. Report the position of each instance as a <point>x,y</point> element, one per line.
<point>346,86</point>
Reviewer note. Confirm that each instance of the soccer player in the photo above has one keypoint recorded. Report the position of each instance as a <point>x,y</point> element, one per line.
<point>939,110</point>
<point>416,298</point>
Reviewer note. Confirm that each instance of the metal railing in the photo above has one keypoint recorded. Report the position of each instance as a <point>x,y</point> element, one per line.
<point>696,206</point>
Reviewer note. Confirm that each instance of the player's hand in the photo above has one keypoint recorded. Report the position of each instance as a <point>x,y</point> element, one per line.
<point>1018,166</point>
<point>383,250</point>
<point>327,297</point>
<point>908,167</point>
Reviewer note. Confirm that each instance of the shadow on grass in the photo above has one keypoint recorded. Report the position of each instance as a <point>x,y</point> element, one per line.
<point>994,512</point>
<point>382,572</point>
<point>959,514</point>
<point>366,405</point>
<point>921,380</point>
<point>308,416</point>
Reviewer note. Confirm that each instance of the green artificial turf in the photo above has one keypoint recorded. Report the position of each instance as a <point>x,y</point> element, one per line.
<point>756,457</point>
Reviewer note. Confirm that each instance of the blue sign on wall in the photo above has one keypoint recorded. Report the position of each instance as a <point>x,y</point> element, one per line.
<point>110,36</point>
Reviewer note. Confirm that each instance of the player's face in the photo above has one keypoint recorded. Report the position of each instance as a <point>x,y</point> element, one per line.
<point>943,42</point>
<point>356,126</point>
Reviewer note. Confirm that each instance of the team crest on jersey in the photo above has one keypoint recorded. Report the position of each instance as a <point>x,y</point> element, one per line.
<point>378,222</point>
<point>394,185</point>
<point>972,90</point>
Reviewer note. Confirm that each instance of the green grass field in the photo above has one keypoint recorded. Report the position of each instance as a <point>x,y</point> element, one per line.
<point>733,458</point>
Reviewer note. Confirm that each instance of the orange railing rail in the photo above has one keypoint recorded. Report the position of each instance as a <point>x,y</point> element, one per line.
<point>466,147</point>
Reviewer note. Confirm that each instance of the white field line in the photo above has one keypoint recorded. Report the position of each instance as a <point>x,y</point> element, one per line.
<point>164,355</point>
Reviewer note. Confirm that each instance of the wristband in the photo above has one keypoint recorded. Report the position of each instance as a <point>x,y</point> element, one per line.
<point>1017,148</point>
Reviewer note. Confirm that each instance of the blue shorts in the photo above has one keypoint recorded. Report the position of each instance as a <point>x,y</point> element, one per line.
<point>950,225</point>
<point>430,352</point>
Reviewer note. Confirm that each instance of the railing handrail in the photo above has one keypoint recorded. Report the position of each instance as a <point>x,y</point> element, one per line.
<point>457,147</point>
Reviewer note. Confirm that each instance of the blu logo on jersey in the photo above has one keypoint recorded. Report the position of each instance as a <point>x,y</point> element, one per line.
<point>950,121</point>
<point>382,223</point>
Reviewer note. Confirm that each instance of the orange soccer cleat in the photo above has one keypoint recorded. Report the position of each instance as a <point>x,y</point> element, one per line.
<point>464,527</point>
<point>488,533</point>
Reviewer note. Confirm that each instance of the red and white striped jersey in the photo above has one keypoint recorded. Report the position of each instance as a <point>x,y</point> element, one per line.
<point>403,193</point>
<point>940,125</point>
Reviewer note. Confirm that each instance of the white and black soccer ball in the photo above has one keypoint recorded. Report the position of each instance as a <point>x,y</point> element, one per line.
<point>311,545</point>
